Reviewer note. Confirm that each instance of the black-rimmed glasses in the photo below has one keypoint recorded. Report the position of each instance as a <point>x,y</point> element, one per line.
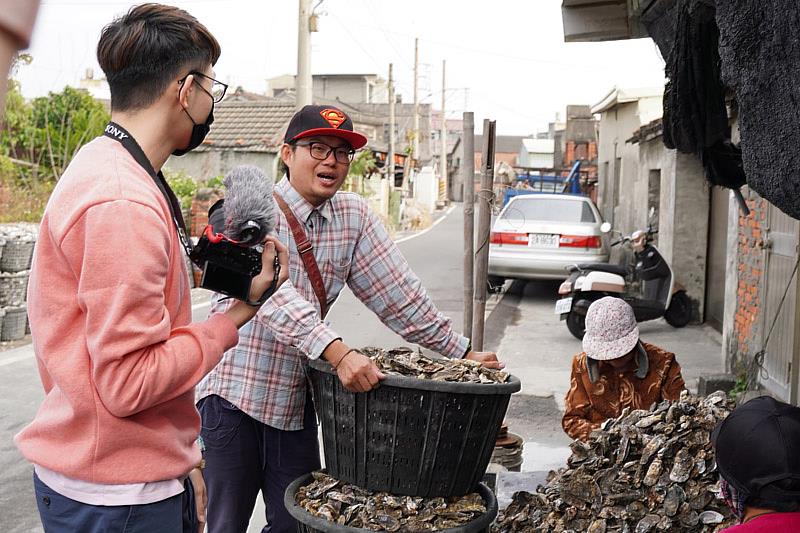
<point>321,151</point>
<point>218,89</point>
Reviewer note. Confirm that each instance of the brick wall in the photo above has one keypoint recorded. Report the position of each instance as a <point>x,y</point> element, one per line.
<point>204,199</point>
<point>747,332</point>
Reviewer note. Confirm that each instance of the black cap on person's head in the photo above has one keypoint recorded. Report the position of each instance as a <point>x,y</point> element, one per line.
<point>758,449</point>
<point>323,120</point>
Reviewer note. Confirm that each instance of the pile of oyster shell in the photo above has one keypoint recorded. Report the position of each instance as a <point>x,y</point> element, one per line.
<point>407,362</point>
<point>646,471</point>
<point>328,498</point>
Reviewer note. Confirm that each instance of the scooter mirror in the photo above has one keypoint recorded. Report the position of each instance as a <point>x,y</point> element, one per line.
<point>605,227</point>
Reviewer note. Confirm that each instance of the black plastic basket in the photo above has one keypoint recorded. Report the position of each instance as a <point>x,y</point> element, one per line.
<point>14,322</point>
<point>17,255</point>
<point>13,288</point>
<point>410,436</point>
<point>308,523</point>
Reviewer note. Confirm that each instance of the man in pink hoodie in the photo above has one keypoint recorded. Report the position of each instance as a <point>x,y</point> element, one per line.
<point>109,298</point>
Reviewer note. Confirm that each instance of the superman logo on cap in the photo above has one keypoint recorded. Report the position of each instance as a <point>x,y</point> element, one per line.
<point>334,117</point>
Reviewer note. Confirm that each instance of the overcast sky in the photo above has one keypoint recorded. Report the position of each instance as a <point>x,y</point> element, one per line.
<point>506,59</point>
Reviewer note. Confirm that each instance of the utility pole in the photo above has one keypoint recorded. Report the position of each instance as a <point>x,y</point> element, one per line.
<point>468,179</point>
<point>415,151</point>
<point>484,223</point>
<point>303,80</point>
<point>443,135</point>
<point>390,154</point>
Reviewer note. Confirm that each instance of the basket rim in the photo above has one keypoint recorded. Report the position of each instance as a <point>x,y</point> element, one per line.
<point>18,274</point>
<point>404,382</point>
<point>320,524</point>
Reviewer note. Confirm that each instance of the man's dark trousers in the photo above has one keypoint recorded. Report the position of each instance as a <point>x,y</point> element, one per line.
<point>244,456</point>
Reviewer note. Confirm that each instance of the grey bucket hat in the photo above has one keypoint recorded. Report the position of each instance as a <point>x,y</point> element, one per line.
<point>611,329</point>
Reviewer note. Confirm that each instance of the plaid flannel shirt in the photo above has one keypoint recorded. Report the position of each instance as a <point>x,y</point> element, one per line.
<point>265,375</point>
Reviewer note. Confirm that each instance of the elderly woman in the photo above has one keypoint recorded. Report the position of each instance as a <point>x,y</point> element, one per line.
<point>616,370</point>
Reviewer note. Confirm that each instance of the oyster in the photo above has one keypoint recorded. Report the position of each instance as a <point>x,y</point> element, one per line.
<point>347,505</point>
<point>404,361</point>
<point>645,471</point>
<point>711,517</point>
<point>673,500</point>
<point>653,472</point>
<point>682,466</point>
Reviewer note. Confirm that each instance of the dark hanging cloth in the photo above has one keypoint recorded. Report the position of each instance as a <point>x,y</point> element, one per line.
<point>760,60</point>
<point>695,117</point>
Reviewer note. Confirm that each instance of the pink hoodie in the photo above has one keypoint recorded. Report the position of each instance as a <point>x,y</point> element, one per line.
<point>110,314</point>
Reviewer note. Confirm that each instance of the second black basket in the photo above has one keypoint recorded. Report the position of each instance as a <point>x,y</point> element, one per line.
<point>308,523</point>
<point>410,436</point>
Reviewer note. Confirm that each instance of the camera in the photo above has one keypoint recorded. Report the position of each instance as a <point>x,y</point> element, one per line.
<point>228,265</point>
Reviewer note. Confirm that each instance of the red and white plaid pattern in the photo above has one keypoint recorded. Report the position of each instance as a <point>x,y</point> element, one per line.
<point>265,374</point>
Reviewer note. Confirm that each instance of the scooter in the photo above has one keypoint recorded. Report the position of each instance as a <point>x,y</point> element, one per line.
<point>646,283</point>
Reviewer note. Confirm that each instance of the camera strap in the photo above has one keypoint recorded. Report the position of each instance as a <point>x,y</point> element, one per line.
<point>121,135</point>
<point>304,248</point>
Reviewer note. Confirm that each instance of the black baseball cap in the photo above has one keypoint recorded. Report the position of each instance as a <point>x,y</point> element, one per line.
<point>323,120</point>
<point>759,444</point>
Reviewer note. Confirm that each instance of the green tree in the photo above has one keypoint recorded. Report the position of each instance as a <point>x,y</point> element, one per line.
<point>38,139</point>
<point>363,165</point>
<point>183,185</point>
<point>361,168</point>
<point>44,135</point>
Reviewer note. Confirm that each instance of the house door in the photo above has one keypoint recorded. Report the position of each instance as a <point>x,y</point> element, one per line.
<point>781,244</point>
<point>717,257</point>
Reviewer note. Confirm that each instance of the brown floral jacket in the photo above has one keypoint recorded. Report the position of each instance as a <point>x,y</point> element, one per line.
<point>590,404</point>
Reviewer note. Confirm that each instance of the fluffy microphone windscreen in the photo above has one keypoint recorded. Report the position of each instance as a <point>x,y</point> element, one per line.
<point>249,205</point>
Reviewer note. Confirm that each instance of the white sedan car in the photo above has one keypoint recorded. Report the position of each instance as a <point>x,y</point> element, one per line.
<point>537,236</point>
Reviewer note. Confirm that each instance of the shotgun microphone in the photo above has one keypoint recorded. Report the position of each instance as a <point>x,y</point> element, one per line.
<point>237,224</point>
<point>247,214</point>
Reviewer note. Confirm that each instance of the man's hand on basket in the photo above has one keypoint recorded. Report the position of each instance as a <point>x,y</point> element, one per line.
<point>356,371</point>
<point>487,359</point>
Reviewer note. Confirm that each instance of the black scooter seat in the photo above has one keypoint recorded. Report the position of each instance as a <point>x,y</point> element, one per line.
<point>603,267</point>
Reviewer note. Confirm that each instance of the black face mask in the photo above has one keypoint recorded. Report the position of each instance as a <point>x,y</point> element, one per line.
<point>199,132</point>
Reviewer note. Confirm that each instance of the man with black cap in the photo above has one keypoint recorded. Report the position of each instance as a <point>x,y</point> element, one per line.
<point>616,370</point>
<point>758,457</point>
<point>259,424</point>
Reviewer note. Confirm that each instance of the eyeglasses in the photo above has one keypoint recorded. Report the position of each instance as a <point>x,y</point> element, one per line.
<point>321,151</point>
<point>218,89</point>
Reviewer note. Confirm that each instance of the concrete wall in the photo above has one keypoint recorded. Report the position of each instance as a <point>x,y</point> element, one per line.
<point>535,159</point>
<point>690,229</point>
<point>426,188</point>
<point>683,212</point>
<point>653,155</point>
<point>208,164</point>
<point>617,125</point>
<point>352,90</point>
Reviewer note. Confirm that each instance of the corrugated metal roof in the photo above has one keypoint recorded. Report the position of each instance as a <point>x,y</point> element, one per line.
<point>256,126</point>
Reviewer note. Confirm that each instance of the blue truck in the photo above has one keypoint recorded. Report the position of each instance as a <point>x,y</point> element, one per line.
<point>528,183</point>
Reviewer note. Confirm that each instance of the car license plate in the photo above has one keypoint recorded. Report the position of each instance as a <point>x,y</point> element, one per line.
<point>564,305</point>
<point>543,240</point>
